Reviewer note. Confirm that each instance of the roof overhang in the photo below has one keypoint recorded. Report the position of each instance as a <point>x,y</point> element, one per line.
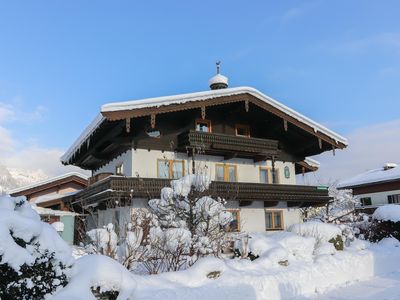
<point>49,183</point>
<point>153,106</point>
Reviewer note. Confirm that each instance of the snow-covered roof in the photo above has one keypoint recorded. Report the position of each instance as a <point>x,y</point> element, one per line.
<point>373,176</point>
<point>312,162</point>
<point>47,181</point>
<point>84,136</point>
<point>192,97</point>
<point>52,212</point>
<point>51,197</point>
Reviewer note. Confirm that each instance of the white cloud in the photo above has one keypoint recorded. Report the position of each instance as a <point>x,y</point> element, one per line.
<point>25,154</point>
<point>37,158</point>
<point>6,142</point>
<point>6,113</point>
<point>383,39</point>
<point>369,148</point>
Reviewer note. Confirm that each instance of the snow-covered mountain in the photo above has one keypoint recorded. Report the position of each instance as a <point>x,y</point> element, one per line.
<point>11,178</point>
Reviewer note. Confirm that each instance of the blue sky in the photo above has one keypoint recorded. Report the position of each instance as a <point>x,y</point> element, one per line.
<point>336,62</point>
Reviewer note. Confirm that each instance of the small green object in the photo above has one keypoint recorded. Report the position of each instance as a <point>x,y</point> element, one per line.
<point>287,172</point>
<point>322,187</point>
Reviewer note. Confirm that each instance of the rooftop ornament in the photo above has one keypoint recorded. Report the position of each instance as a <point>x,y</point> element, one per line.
<point>218,81</point>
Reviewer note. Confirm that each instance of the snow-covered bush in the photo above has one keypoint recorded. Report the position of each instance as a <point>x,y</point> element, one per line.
<point>97,273</point>
<point>104,240</point>
<point>34,260</point>
<point>322,232</point>
<point>385,223</point>
<point>341,209</point>
<point>129,246</point>
<point>190,224</point>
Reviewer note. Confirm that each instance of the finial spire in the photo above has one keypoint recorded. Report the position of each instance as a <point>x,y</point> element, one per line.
<point>218,63</point>
<point>218,81</point>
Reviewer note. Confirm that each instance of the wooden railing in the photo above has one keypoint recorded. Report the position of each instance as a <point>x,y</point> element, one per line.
<point>227,143</point>
<point>118,188</point>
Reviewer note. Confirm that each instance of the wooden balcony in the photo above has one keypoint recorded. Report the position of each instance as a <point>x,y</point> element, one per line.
<point>228,145</point>
<point>123,189</point>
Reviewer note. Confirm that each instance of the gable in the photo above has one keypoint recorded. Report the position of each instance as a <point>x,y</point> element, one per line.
<point>116,117</point>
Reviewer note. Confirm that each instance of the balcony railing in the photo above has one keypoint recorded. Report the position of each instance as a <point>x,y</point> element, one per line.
<point>120,189</point>
<point>223,143</point>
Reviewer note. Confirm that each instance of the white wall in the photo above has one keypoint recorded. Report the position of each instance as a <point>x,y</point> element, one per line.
<point>125,159</point>
<point>252,217</point>
<point>379,198</point>
<point>145,165</point>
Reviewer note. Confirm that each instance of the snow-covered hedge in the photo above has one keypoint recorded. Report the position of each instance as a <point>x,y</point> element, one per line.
<point>385,223</point>
<point>34,260</point>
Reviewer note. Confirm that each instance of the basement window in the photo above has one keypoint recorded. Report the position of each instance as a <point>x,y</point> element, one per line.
<point>273,220</point>
<point>234,225</point>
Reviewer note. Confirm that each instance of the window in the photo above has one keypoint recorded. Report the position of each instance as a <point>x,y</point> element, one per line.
<point>266,175</point>
<point>365,201</point>
<point>203,125</point>
<point>170,169</point>
<point>394,198</point>
<point>273,220</point>
<point>242,130</point>
<point>234,225</point>
<point>226,173</point>
<point>119,169</point>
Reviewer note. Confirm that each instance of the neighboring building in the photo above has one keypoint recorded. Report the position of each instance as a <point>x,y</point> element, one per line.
<point>375,187</point>
<point>250,144</point>
<point>49,196</point>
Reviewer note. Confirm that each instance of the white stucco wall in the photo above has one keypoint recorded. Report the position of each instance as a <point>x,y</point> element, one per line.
<point>145,165</point>
<point>252,217</point>
<point>379,198</point>
<point>125,159</point>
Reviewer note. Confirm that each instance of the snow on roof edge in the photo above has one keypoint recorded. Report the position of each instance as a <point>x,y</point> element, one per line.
<point>182,98</point>
<point>82,138</point>
<point>312,162</point>
<point>46,181</point>
<point>371,177</point>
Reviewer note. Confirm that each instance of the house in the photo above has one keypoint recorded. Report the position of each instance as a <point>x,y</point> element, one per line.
<point>251,146</point>
<point>49,196</point>
<point>375,187</point>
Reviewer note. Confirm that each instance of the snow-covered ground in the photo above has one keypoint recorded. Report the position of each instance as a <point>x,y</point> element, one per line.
<point>384,287</point>
<point>301,264</point>
<point>301,279</point>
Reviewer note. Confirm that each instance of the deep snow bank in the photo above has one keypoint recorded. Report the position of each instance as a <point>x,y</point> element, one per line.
<point>265,278</point>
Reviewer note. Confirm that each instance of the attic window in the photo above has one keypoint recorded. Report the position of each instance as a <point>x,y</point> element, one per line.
<point>153,133</point>
<point>242,130</point>
<point>119,169</point>
<point>203,125</point>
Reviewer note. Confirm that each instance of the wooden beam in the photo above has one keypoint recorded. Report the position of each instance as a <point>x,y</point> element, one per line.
<point>128,125</point>
<point>203,112</point>
<point>246,105</point>
<point>285,125</point>
<point>153,121</point>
